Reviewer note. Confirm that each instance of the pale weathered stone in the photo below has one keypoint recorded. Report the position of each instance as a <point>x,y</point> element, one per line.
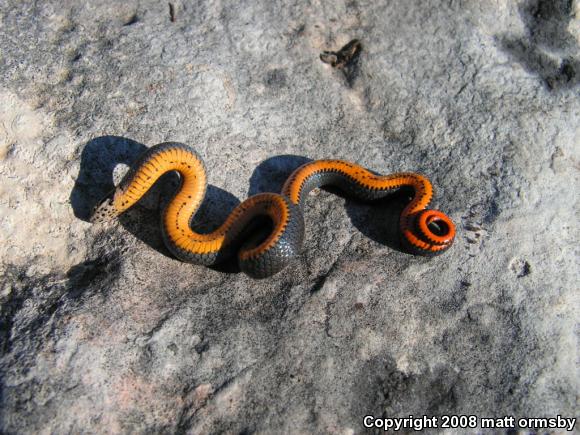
<point>102,331</point>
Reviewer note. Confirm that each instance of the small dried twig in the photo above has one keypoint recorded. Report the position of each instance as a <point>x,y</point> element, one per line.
<point>341,58</point>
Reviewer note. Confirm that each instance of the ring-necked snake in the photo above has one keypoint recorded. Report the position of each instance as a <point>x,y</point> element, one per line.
<point>423,232</point>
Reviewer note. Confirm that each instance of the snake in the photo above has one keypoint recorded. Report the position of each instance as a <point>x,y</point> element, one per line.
<point>423,231</point>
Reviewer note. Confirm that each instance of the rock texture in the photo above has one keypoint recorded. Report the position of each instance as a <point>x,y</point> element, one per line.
<point>102,331</point>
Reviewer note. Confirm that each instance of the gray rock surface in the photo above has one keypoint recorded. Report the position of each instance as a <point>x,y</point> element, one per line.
<point>102,331</point>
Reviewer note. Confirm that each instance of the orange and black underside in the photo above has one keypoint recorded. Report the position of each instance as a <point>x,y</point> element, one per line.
<point>423,231</point>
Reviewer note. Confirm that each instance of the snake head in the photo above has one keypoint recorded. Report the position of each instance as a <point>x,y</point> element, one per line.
<point>105,210</point>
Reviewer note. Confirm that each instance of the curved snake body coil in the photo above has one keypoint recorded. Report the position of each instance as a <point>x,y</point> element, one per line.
<point>423,231</point>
